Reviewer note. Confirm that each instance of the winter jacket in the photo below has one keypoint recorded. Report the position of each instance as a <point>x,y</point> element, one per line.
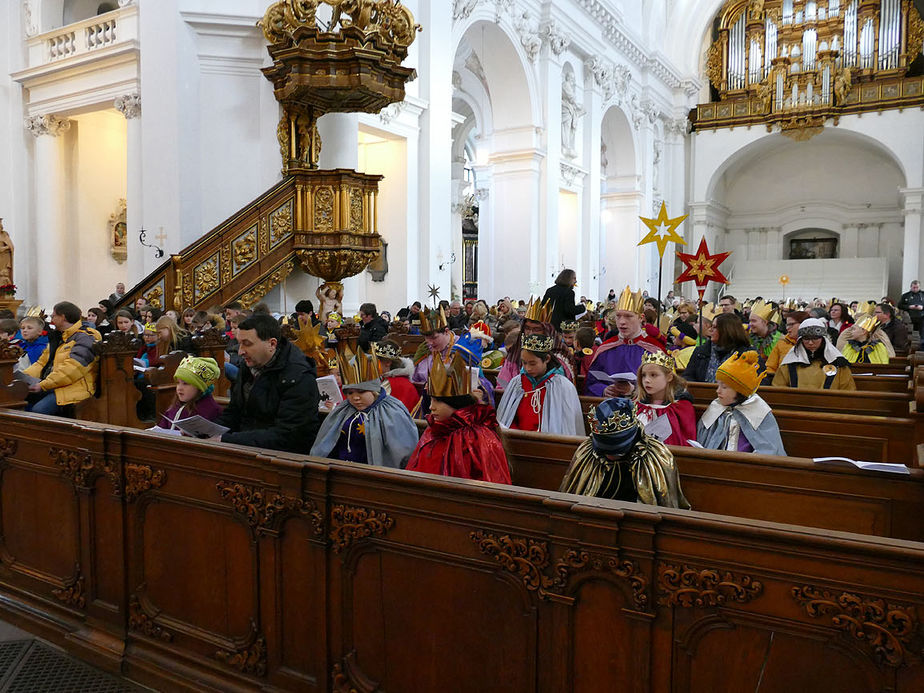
<point>68,366</point>
<point>564,306</point>
<point>372,331</point>
<point>697,369</point>
<point>277,409</point>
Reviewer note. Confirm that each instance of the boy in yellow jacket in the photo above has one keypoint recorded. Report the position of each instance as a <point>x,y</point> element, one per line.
<point>68,367</point>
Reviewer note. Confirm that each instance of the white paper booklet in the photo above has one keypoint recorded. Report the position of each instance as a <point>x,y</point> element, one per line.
<point>891,467</point>
<point>329,390</point>
<point>659,428</point>
<point>198,427</point>
<point>605,377</point>
<point>27,379</point>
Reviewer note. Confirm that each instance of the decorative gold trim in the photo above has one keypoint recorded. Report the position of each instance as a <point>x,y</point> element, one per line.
<point>264,287</point>
<point>885,627</point>
<point>250,660</point>
<point>140,478</point>
<point>350,524</point>
<point>689,587</point>
<point>205,277</point>
<point>139,620</point>
<point>72,594</point>
<point>244,250</point>
<point>264,510</point>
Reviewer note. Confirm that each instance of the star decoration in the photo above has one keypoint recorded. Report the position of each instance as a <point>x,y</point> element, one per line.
<point>434,292</point>
<point>662,230</point>
<point>702,267</point>
<point>361,429</point>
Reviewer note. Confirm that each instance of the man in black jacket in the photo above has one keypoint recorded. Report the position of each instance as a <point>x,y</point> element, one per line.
<point>913,302</point>
<point>373,329</point>
<point>893,327</point>
<point>274,401</point>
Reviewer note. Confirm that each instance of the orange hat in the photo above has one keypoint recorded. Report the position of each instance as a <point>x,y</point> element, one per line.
<point>740,373</point>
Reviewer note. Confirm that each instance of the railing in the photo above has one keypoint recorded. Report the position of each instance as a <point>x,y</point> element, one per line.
<point>85,37</point>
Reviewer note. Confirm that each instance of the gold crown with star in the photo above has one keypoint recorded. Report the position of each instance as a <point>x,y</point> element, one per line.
<point>618,422</point>
<point>631,302</point>
<point>660,358</point>
<point>386,350</point>
<point>762,310</point>
<point>568,326</point>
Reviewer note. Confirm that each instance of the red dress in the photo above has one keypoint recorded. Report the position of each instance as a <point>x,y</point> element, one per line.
<point>466,446</point>
<point>403,389</point>
<point>680,414</point>
<point>526,418</point>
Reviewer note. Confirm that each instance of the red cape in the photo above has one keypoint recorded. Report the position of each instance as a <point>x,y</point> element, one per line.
<point>682,418</point>
<point>466,446</point>
<point>403,389</point>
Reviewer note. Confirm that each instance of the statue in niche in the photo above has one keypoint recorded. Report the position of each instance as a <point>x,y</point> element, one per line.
<point>755,10</point>
<point>656,166</point>
<point>6,257</point>
<point>842,84</point>
<point>118,232</point>
<point>604,161</point>
<point>571,111</point>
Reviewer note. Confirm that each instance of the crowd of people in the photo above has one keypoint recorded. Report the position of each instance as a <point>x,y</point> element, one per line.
<point>630,351</point>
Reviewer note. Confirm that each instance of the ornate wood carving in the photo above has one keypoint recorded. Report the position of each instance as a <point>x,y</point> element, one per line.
<point>341,681</point>
<point>76,465</point>
<point>350,523</point>
<point>210,338</point>
<point>250,660</point>
<point>885,627</point>
<point>140,478</point>
<point>10,352</point>
<point>117,342</point>
<point>577,561</point>
<point>264,510</point>
<point>8,447</point>
<point>139,620</point>
<point>260,290</point>
<point>688,587</point>
<point>72,594</point>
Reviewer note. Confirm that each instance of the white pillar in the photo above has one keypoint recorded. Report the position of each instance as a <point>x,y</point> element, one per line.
<point>589,258</point>
<point>516,223</point>
<point>50,231</point>
<point>130,107</point>
<point>548,258</point>
<point>913,259</point>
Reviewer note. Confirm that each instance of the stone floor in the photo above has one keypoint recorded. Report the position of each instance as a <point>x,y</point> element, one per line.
<point>29,665</point>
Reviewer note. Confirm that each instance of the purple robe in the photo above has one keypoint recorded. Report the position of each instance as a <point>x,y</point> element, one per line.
<point>626,358</point>
<point>351,446</point>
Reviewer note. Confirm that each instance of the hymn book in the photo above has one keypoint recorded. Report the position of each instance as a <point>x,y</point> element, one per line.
<point>199,427</point>
<point>892,467</point>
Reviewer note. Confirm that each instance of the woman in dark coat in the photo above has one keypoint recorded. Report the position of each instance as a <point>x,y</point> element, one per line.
<point>728,337</point>
<point>561,297</point>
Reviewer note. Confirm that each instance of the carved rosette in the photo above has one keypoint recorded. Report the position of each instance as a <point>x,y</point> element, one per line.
<point>140,478</point>
<point>250,660</point>
<point>350,524</point>
<point>140,621</point>
<point>9,352</point>
<point>890,630</point>
<point>264,510</point>
<point>280,224</point>
<point>205,278</point>
<point>76,465</point>
<point>688,587</point>
<point>8,448</point>
<point>72,594</point>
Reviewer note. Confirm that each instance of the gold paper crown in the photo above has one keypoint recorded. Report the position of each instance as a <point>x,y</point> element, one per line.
<point>432,321</point>
<point>709,311</point>
<point>762,310</point>
<point>617,423</point>
<point>150,327</point>
<point>664,323</point>
<point>868,323</point>
<point>632,302</point>
<point>538,312</point>
<point>385,350</point>
<point>356,367</point>
<point>538,343</point>
<point>659,358</point>
<point>453,380</point>
<point>567,326</point>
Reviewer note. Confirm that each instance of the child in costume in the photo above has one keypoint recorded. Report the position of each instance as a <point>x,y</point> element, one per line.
<point>865,342</point>
<point>195,381</point>
<point>664,406</point>
<point>738,419</point>
<point>34,337</point>
<point>813,363</point>
<point>369,426</point>
<point>461,439</point>
<point>535,321</point>
<point>396,375</point>
<point>542,398</point>
<point>619,461</point>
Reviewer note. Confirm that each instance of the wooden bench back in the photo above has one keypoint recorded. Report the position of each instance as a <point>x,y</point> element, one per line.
<point>117,397</point>
<point>12,393</point>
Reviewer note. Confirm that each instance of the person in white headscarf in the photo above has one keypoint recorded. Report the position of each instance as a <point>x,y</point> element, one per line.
<point>814,363</point>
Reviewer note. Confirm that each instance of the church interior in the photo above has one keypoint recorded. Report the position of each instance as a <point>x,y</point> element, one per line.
<point>284,177</point>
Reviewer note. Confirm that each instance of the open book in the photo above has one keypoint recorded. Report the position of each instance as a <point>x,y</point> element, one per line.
<point>198,427</point>
<point>609,379</point>
<point>329,391</point>
<point>892,467</point>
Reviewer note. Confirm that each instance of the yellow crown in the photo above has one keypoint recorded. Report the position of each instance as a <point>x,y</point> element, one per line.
<point>453,380</point>
<point>868,323</point>
<point>538,343</point>
<point>617,423</point>
<point>710,312</point>
<point>356,367</point>
<point>538,312</point>
<point>659,358</point>
<point>432,321</point>
<point>632,302</point>
<point>762,310</point>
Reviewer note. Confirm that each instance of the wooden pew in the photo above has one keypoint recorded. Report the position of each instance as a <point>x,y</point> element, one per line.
<point>117,397</point>
<point>190,566</point>
<point>12,393</point>
<point>761,487</point>
<point>823,434</point>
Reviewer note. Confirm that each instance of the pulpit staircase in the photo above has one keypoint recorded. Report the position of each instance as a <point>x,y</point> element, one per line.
<point>318,221</point>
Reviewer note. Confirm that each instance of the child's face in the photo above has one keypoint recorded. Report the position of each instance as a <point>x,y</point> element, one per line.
<point>29,330</point>
<point>186,392</point>
<point>655,380</point>
<point>149,337</point>
<point>568,339</point>
<point>360,399</point>
<point>532,364</point>
<point>440,410</point>
<point>725,394</point>
<point>124,324</point>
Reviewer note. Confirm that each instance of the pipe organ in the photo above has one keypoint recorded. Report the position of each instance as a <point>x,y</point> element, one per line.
<point>796,63</point>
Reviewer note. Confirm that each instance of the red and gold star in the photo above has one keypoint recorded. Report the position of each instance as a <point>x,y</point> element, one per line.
<point>702,268</point>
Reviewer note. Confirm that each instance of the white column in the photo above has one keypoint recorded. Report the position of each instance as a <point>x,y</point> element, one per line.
<point>487,286</point>
<point>455,224</point>
<point>516,223</point>
<point>913,259</point>
<point>130,107</point>
<point>50,229</point>
<point>548,259</point>
<point>589,258</point>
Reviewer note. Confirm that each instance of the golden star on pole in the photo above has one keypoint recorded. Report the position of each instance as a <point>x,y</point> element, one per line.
<point>663,230</point>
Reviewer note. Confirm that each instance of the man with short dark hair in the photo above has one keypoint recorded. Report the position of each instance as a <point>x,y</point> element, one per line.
<point>373,328</point>
<point>274,401</point>
<point>68,367</point>
<point>727,303</point>
<point>894,329</point>
<point>913,302</point>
